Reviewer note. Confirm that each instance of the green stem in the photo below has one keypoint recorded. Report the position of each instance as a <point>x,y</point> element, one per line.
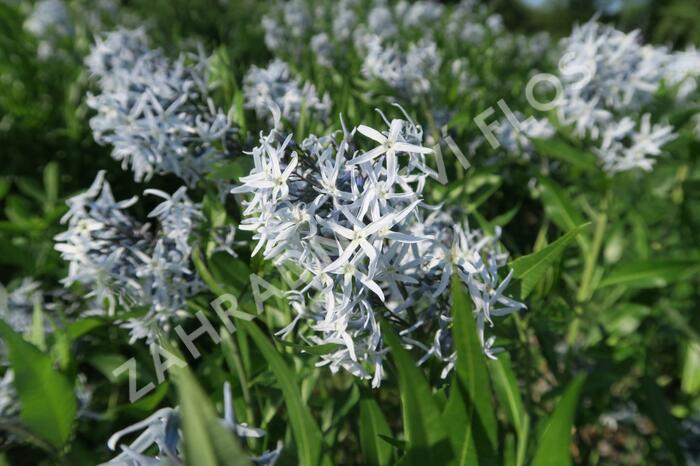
<point>233,358</point>
<point>529,358</point>
<point>523,434</point>
<point>434,130</point>
<point>584,292</point>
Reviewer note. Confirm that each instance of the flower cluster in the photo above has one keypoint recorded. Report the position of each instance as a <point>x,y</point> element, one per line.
<point>517,140</point>
<point>401,45</point>
<point>690,440</point>
<point>162,429</point>
<point>337,24</point>
<point>609,76</point>
<point>478,260</point>
<point>410,72</point>
<point>49,21</point>
<point>154,111</point>
<point>374,31</point>
<point>9,406</point>
<point>350,226</point>
<point>123,262</point>
<point>275,85</point>
<point>17,307</point>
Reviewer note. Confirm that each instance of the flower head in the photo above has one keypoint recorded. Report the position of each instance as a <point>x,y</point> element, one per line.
<point>155,112</point>
<point>350,225</point>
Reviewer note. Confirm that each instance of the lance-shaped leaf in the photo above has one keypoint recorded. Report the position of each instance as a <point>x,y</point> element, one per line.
<point>48,404</point>
<point>531,268</point>
<point>470,411</point>
<point>206,440</point>
<point>426,436</point>
<point>306,433</point>
<point>562,150</point>
<point>507,390</point>
<point>561,209</point>
<point>373,425</point>
<point>554,443</point>
<point>650,273</point>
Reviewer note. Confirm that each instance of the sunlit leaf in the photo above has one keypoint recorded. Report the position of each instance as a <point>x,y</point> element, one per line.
<point>424,430</point>
<point>304,428</point>
<point>373,425</point>
<point>470,408</point>
<point>48,404</point>
<point>649,273</point>
<point>206,440</point>
<point>531,268</point>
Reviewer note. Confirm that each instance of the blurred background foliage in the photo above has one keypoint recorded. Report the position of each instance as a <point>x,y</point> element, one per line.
<point>47,153</point>
<point>672,22</point>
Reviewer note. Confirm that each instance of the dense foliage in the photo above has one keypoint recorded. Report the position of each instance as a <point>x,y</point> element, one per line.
<point>355,232</point>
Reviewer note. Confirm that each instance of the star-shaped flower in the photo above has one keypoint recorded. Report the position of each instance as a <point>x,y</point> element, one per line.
<point>389,145</point>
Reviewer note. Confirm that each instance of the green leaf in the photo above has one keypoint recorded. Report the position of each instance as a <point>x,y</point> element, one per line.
<point>508,393</point>
<point>149,403</point>
<point>230,270</point>
<point>206,440</point>
<point>531,268</point>
<point>48,405</point>
<point>214,210</point>
<point>4,187</point>
<point>560,208</point>
<point>31,188</point>
<point>554,443</point>
<point>690,377</point>
<point>650,273</point>
<point>229,171</point>
<point>507,390</point>
<point>373,425</point>
<point>655,405</point>
<point>207,276</point>
<point>51,183</point>
<point>561,150</point>
<point>424,431</point>
<point>640,235</point>
<point>37,337</point>
<point>60,350</point>
<point>306,433</point>
<point>238,111</point>
<point>315,350</point>
<point>506,217</point>
<point>83,326</point>
<point>396,443</point>
<point>470,411</point>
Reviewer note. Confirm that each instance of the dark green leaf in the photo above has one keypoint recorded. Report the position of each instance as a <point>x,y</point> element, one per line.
<point>425,433</point>
<point>650,273</point>
<point>470,409</point>
<point>315,350</point>
<point>656,406</point>
<point>375,451</point>
<point>51,182</point>
<point>561,150</point>
<point>531,268</point>
<point>554,443</point>
<point>48,403</point>
<point>507,390</point>
<point>690,377</point>
<point>304,428</point>
<point>206,440</point>
<point>560,208</point>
